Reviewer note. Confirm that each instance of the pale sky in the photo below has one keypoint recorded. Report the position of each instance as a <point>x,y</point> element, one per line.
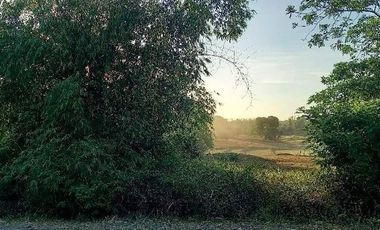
<point>283,69</point>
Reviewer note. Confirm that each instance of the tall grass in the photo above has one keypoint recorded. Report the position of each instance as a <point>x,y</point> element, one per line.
<point>224,185</point>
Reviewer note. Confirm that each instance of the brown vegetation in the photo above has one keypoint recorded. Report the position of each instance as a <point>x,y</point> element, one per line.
<point>288,152</point>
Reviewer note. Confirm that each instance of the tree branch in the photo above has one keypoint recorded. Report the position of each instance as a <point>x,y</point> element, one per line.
<point>232,59</point>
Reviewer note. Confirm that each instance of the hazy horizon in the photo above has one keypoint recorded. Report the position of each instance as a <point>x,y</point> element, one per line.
<point>283,69</point>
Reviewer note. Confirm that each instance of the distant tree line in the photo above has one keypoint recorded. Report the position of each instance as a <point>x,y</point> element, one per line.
<point>293,126</point>
<point>224,128</point>
<point>267,127</point>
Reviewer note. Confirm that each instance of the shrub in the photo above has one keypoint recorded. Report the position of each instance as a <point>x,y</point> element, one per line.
<point>212,188</point>
<point>298,194</point>
<point>344,130</point>
<point>54,178</point>
<point>190,142</point>
<point>227,156</point>
<point>194,187</point>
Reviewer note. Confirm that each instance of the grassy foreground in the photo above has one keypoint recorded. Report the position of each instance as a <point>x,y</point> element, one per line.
<point>174,223</point>
<point>262,184</point>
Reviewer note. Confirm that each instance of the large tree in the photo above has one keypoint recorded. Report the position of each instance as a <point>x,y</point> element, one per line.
<point>344,129</point>
<point>344,122</point>
<point>268,127</point>
<point>85,85</point>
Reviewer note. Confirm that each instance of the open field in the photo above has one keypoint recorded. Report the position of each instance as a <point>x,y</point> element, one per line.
<point>288,152</point>
<point>295,185</point>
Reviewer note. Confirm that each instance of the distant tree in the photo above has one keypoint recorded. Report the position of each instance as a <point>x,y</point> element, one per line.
<point>260,125</point>
<point>291,123</point>
<point>300,125</point>
<point>268,127</point>
<point>293,126</point>
<point>272,126</point>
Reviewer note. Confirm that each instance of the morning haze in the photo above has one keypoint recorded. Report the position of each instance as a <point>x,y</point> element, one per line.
<point>284,71</point>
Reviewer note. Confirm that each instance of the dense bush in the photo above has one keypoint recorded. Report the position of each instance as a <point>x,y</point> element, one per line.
<point>221,185</point>
<point>194,187</point>
<point>300,194</point>
<point>97,185</point>
<point>192,142</point>
<point>344,130</point>
<point>344,118</point>
<point>92,90</point>
<point>212,188</point>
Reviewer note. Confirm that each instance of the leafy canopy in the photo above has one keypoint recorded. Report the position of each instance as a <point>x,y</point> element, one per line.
<point>343,119</point>
<point>85,86</point>
<point>353,25</point>
<point>344,128</point>
<point>268,127</point>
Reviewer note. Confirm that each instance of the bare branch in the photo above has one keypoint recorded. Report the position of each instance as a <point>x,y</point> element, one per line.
<point>229,56</point>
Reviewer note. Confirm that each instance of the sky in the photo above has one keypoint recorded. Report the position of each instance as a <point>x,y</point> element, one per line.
<point>283,70</point>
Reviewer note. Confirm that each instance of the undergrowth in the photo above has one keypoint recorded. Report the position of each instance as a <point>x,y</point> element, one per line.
<point>217,185</point>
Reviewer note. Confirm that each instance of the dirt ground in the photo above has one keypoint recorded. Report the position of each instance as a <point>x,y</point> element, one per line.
<point>287,152</point>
